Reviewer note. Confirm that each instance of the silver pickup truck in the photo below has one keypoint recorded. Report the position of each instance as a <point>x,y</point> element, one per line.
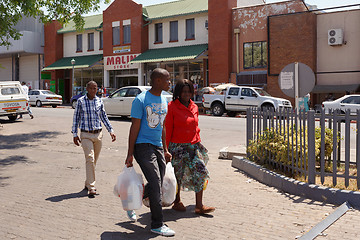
<point>239,98</point>
<point>13,100</point>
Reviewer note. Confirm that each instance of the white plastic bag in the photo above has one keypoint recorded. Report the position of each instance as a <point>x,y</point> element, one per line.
<point>169,186</point>
<point>129,188</point>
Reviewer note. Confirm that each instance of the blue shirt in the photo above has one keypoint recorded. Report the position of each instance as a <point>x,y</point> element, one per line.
<point>152,111</point>
<point>88,115</point>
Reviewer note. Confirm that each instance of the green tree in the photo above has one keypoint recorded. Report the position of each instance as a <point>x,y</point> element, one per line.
<point>12,11</point>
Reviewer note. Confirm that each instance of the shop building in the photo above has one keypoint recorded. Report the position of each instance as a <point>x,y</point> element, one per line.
<point>326,42</point>
<point>177,41</point>
<point>73,58</point>
<point>24,59</point>
<point>125,37</point>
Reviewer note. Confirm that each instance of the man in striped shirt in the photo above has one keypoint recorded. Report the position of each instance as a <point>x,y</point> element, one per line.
<point>89,113</point>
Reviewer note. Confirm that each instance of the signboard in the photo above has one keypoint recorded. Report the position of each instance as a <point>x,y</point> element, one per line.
<point>121,49</point>
<point>306,80</point>
<point>287,80</point>
<point>120,62</point>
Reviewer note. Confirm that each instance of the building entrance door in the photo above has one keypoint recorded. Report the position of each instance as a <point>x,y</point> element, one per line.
<point>123,81</point>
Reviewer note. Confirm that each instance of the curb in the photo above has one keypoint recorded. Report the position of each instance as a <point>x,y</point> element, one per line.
<point>229,152</point>
<point>292,186</point>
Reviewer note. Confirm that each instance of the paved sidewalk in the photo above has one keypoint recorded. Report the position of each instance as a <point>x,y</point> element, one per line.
<point>41,182</point>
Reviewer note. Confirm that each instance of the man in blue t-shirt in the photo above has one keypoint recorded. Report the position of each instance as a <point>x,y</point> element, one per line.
<point>147,143</point>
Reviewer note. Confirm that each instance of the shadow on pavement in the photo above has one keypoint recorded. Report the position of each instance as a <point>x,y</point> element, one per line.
<point>11,160</point>
<point>138,232</point>
<point>7,121</point>
<point>8,161</point>
<point>16,141</point>
<point>81,194</point>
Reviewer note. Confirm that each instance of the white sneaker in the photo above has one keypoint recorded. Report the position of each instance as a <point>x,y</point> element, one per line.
<point>164,231</point>
<point>131,215</point>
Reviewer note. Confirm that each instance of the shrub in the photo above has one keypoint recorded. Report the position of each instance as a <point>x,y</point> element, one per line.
<point>283,148</point>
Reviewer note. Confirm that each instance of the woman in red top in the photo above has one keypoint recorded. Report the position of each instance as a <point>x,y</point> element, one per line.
<point>189,156</point>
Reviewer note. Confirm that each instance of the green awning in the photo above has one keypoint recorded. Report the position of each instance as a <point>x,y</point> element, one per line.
<point>171,54</point>
<point>80,62</point>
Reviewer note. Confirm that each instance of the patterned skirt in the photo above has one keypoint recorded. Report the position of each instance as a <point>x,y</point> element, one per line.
<point>189,162</point>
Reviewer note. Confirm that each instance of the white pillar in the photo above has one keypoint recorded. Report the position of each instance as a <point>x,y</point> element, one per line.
<point>141,75</point>
<point>106,78</point>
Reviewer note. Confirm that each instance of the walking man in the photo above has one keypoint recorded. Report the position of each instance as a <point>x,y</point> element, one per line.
<point>147,143</point>
<point>26,90</point>
<point>88,114</point>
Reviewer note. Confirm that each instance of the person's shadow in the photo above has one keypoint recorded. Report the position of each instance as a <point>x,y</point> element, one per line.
<point>82,193</point>
<point>139,232</point>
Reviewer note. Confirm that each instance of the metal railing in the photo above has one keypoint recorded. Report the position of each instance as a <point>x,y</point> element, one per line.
<point>308,144</point>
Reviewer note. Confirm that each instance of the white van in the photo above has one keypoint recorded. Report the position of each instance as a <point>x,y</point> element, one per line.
<point>13,100</point>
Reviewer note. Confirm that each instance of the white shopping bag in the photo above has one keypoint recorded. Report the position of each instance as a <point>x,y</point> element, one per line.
<point>169,186</point>
<point>129,188</point>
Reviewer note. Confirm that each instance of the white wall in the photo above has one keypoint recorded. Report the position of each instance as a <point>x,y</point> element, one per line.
<point>29,70</point>
<point>70,43</point>
<point>345,57</point>
<point>5,69</point>
<point>201,33</point>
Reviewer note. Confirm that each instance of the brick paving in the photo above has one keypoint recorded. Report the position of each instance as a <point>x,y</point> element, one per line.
<point>41,197</point>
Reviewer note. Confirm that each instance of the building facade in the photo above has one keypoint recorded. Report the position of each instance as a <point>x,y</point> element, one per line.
<point>24,59</point>
<point>73,58</point>
<point>306,37</point>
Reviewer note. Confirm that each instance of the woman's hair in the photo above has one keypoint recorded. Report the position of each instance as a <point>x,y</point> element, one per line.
<point>179,87</point>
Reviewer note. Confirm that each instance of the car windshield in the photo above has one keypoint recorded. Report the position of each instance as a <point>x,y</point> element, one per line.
<point>262,92</point>
<point>48,92</point>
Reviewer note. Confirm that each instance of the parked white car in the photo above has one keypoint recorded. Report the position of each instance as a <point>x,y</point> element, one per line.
<point>13,100</point>
<point>44,97</point>
<point>119,103</point>
<point>238,98</point>
<point>351,102</point>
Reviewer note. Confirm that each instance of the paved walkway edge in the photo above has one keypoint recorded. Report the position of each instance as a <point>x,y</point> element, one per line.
<point>292,186</point>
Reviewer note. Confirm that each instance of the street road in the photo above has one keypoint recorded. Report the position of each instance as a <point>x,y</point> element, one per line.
<point>42,177</point>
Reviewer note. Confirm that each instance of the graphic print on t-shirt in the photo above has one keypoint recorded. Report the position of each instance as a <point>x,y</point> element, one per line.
<point>155,114</point>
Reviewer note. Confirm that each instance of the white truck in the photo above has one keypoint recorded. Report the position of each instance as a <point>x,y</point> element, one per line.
<point>239,98</point>
<point>13,100</point>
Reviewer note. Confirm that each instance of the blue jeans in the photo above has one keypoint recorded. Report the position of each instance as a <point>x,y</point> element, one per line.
<point>152,163</point>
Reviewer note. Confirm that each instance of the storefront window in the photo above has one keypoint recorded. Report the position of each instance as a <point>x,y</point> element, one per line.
<point>192,70</point>
<point>83,76</point>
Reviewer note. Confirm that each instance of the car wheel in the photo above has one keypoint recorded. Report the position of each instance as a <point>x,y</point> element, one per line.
<point>54,106</point>
<point>12,117</point>
<point>217,109</point>
<point>231,114</point>
<point>267,107</point>
<point>38,103</point>
<point>73,104</point>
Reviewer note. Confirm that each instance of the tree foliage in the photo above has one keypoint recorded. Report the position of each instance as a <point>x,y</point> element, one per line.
<point>12,11</point>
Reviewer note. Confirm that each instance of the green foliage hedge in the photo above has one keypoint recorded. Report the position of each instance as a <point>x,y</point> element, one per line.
<point>283,149</point>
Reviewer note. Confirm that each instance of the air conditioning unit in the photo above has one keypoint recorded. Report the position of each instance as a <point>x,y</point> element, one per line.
<point>335,37</point>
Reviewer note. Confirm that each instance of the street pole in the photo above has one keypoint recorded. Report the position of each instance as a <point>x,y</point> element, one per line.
<point>72,79</point>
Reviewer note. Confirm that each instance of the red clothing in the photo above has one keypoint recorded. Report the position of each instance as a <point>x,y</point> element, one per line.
<point>181,123</point>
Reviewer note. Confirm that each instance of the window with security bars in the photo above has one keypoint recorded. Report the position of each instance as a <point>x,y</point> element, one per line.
<point>79,43</point>
<point>101,40</point>
<point>158,33</point>
<point>174,31</point>
<point>255,55</point>
<point>190,29</point>
<point>90,41</point>
<point>126,34</point>
<point>116,35</point>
